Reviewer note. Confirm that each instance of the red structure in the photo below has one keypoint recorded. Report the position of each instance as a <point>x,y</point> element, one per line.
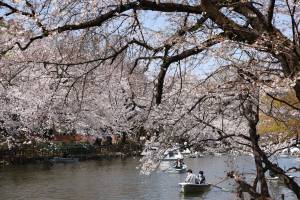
<point>74,138</point>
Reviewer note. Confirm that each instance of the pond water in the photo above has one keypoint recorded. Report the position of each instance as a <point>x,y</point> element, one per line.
<point>120,180</point>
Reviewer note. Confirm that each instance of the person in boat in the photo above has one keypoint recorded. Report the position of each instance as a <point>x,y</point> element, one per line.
<point>271,173</point>
<point>191,178</point>
<point>179,163</point>
<point>201,178</point>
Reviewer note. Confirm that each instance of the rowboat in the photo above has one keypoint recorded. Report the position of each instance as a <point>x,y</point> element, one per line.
<point>186,152</point>
<point>277,179</point>
<point>175,170</point>
<point>194,188</point>
<point>63,160</point>
<point>148,151</point>
<point>172,155</point>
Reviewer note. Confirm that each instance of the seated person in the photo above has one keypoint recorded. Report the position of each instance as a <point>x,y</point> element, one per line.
<point>179,164</point>
<point>201,178</point>
<point>272,174</point>
<point>191,178</point>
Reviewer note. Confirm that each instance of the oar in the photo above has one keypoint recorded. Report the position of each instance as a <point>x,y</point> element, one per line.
<point>215,185</point>
<point>224,179</point>
<point>226,190</point>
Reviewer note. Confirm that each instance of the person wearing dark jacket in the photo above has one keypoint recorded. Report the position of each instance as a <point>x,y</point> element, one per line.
<point>201,178</point>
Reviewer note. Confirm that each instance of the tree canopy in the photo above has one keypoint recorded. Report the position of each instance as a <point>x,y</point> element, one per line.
<point>170,67</point>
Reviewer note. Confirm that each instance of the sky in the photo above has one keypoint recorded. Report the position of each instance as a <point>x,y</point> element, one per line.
<point>159,22</point>
<point>156,21</point>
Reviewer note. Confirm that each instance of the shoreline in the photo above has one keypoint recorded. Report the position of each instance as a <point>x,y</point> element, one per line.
<point>36,155</point>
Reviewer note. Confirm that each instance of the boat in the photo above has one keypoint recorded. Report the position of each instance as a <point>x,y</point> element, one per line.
<point>63,160</point>
<point>186,152</point>
<point>193,155</point>
<point>283,156</point>
<point>218,154</point>
<point>290,152</point>
<point>194,188</point>
<point>172,154</point>
<point>149,151</point>
<point>294,151</point>
<point>175,170</point>
<point>199,155</point>
<point>277,179</point>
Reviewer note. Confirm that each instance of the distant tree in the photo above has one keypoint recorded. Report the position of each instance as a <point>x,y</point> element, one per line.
<point>281,116</point>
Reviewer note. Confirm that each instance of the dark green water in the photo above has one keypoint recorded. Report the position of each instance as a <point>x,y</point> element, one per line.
<point>120,180</point>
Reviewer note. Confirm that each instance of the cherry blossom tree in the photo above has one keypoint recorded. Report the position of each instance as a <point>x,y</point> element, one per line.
<point>136,63</point>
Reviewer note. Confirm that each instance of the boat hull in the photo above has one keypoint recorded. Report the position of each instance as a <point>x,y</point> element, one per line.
<point>188,188</point>
<point>277,179</point>
<point>64,160</point>
<point>172,155</point>
<point>174,170</point>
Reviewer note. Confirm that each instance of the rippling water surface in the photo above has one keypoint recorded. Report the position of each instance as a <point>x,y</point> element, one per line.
<point>120,180</point>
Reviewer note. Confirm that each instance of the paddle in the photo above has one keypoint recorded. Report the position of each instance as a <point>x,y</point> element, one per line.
<point>220,188</point>
<point>215,185</point>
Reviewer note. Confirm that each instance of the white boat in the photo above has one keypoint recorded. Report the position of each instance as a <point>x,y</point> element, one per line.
<point>175,170</point>
<point>148,151</point>
<point>218,154</point>
<point>193,155</point>
<point>164,165</point>
<point>283,156</point>
<point>194,188</point>
<point>199,155</point>
<point>172,154</point>
<point>276,178</point>
<point>186,152</point>
<point>294,151</point>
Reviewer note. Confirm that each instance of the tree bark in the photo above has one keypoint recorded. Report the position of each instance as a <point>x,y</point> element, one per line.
<point>253,119</point>
<point>160,82</point>
<point>289,182</point>
<point>297,89</point>
<point>260,157</point>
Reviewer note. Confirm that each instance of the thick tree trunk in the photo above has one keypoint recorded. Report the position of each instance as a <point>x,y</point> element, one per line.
<point>289,182</point>
<point>260,157</point>
<point>259,165</point>
<point>160,82</point>
<point>297,89</point>
<point>253,119</point>
<point>288,54</point>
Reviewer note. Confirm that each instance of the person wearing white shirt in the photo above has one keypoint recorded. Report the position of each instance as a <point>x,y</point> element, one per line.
<point>191,178</point>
